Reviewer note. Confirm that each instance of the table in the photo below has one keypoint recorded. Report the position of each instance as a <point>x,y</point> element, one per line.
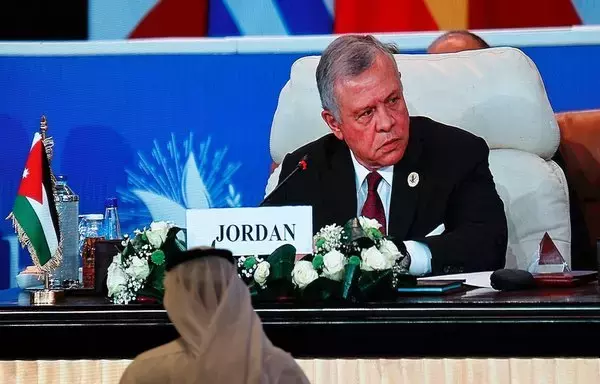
<point>474,323</point>
<point>477,334</point>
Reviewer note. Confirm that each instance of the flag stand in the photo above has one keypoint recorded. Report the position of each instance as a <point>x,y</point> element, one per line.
<point>46,296</point>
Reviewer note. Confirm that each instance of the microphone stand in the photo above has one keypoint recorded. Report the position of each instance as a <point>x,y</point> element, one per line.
<point>301,166</point>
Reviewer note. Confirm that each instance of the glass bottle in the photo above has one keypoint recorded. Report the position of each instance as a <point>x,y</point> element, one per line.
<point>91,229</point>
<point>90,225</point>
<point>112,227</point>
<point>67,205</point>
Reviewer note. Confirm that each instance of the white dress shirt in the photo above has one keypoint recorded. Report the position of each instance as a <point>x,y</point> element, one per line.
<point>420,254</point>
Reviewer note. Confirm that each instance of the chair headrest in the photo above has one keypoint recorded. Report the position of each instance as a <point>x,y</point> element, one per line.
<point>494,93</point>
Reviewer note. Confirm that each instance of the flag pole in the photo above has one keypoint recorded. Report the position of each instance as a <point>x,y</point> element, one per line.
<point>46,280</point>
<point>43,129</point>
<point>43,126</point>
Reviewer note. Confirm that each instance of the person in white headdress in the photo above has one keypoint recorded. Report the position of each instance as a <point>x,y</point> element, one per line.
<point>221,337</point>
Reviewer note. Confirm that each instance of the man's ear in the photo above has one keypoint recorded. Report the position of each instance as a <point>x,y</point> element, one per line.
<point>333,124</point>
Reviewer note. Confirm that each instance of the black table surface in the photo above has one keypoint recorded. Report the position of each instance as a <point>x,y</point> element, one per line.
<point>558,322</point>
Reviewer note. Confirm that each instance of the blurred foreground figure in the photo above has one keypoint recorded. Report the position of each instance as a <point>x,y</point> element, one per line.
<point>221,337</point>
<point>457,41</point>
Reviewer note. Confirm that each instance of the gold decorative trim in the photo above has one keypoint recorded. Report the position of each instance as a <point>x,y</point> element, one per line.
<point>55,260</point>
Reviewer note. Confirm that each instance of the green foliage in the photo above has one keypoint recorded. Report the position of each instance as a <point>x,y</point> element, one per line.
<point>355,260</point>
<point>282,263</point>
<point>320,242</point>
<point>351,274</point>
<point>250,262</point>
<point>317,262</point>
<point>322,289</point>
<point>158,257</point>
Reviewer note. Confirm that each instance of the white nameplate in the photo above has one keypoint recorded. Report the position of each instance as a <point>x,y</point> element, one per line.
<point>251,231</point>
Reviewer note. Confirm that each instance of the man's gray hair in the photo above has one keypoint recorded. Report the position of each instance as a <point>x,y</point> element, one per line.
<point>347,56</point>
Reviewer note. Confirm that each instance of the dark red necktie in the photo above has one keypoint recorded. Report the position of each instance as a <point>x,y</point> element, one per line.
<point>373,207</point>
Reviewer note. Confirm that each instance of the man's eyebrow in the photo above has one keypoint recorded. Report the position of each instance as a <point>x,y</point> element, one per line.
<point>363,109</point>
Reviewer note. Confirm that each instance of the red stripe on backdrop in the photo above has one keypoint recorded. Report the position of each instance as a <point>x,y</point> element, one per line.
<point>367,16</point>
<point>174,18</point>
<point>521,13</point>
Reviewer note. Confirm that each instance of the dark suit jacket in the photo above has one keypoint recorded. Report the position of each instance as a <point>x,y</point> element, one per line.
<point>455,188</point>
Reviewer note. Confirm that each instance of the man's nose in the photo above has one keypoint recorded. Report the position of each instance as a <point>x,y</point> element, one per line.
<point>385,120</point>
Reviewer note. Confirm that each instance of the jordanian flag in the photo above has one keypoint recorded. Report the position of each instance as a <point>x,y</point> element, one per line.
<point>34,213</point>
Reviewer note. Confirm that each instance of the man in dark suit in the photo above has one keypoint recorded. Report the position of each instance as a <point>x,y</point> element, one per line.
<point>426,183</point>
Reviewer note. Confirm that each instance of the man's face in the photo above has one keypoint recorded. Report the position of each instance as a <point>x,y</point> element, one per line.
<point>373,118</point>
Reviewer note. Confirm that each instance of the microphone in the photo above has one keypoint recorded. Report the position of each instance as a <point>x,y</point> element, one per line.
<point>301,166</point>
<point>512,280</point>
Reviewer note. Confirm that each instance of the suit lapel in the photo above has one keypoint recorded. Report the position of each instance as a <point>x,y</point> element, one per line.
<point>339,183</point>
<point>404,198</point>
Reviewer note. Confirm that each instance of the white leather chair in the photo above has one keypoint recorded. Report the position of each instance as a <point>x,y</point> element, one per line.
<point>494,93</point>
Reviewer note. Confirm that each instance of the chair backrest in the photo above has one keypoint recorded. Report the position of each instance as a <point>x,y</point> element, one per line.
<point>496,94</point>
<point>579,147</point>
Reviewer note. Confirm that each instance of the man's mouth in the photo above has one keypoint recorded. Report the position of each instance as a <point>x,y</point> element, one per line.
<point>390,143</point>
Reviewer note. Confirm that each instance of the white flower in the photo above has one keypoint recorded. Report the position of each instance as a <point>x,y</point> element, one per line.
<point>303,274</point>
<point>138,269</point>
<point>367,223</point>
<point>331,238</point>
<point>157,234</point>
<point>372,259</point>
<point>163,226</point>
<point>390,251</point>
<point>262,272</point>
<point>116,280</point>
<point>333,265</point>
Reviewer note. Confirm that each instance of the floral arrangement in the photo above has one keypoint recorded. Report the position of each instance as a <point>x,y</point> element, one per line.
<point>354,262</point>
<point>139,269</point>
